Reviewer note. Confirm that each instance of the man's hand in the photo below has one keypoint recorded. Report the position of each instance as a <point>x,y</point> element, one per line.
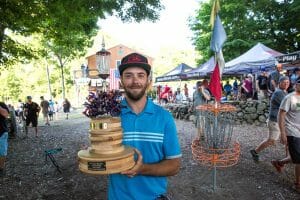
<point>137,167</point>
<point>283,139</point>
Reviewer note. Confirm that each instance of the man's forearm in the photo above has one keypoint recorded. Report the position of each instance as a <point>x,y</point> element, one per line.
<point>281,122</point>
<point>168,167</point>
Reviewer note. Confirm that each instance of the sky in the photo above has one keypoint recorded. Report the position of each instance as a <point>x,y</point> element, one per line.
<point>171,30</point>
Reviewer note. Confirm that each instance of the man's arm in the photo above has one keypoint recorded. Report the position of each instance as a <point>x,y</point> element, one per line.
<point>167,167</point>
<point>281,123</point>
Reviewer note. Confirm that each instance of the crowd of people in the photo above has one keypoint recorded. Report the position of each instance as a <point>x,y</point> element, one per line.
<point>166,95</point>
<point>26,115</point>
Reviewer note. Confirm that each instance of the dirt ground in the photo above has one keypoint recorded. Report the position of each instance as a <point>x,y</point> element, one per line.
<point>29,176</point>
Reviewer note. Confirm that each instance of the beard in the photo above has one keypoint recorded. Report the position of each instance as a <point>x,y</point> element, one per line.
<point>135,95</point>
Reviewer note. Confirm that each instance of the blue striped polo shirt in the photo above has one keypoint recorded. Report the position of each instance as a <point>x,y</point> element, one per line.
<point>153,132</point>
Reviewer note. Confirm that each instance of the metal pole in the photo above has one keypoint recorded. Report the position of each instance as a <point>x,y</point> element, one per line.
<point>215,178</point>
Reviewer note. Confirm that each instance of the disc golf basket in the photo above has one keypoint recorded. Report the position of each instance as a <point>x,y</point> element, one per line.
<point>217,149</point>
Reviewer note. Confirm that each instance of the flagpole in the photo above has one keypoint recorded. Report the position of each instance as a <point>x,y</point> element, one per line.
<point>217,40</point>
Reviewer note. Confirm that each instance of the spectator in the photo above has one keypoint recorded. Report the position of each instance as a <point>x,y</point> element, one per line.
<point>66,107</point>
<point>247,87</point>
<point>273,79</point>
<point>165,94</point>
<point>227,88</point>
<point>45,110</point>
<point>51,110</point>
<point>200,96</point>
<point>186,91</point>
<point>12,121</point>
<point>56,109</point>
<point>178,96</point>
<point>4,112</point>
<point>235,89</point>
<point>31,113</point>
<point>274,132</point>
<point>289,125</point>
<point>19,111</point>
<point>262,85</point>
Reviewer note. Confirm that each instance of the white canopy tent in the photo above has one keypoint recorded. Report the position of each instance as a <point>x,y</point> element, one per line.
<point>257,58</point>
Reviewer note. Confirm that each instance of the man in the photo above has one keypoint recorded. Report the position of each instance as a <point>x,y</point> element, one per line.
<point>200,96</point>
<point>274,78</point>
<point>4,112</point>
<point>289,125</point>
<point>178,96</point>
<point>151,130</point>
<point>45,110</point>
<point>66,107</point>
<point>247,86</point>
<point>31,113</point>
<point>262,85</point>
<point>274,132</point>
<point>227,89</point>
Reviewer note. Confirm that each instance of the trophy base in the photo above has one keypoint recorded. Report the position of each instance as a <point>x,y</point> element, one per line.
<point>101,164</point>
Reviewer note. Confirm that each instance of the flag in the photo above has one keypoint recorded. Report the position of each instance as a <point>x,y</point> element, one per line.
<point>114,79</point>
<point>221,61</point>
<point>218,36</point>
<point>217,40</point>
<point>215,84</point>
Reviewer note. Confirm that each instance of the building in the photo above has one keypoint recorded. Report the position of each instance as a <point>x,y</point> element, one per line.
<point>87,79</point>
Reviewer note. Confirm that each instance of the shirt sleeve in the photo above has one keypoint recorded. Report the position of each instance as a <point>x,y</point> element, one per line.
<point>171,143</point>
<point>285,104</point>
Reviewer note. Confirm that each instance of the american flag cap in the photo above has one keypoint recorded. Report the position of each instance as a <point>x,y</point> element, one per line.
<point>134,60</point>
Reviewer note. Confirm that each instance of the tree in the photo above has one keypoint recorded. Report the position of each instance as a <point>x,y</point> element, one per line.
<point>274,23</point>
<point>61,18</point>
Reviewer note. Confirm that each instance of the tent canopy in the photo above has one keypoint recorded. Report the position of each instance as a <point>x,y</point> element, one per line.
<point>202,70</point>
<point>252,61</point>
<point>176,74</point>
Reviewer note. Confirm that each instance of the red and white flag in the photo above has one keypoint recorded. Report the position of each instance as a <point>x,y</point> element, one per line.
<point>114,79</point>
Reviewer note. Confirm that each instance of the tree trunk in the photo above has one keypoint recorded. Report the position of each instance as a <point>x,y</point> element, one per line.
<point>2,32</point>
<point>63,81</point>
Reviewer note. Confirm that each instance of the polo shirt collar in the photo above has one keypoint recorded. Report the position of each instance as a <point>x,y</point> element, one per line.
<point>149,108</point>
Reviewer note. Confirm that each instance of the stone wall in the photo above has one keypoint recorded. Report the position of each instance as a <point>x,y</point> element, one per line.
<point>248,112</point>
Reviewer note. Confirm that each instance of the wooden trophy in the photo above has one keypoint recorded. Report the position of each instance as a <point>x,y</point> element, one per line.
<point>107,154</point>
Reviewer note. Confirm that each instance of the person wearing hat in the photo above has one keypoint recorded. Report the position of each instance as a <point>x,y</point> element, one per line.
<point>148,128</point>
<point>274,79</point>
<point>31,113</point>
<point>289,125</point>
<point>273,127</point>
<point>200,96</point>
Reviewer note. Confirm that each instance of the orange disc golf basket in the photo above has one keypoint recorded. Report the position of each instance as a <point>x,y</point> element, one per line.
<point>217,149</point>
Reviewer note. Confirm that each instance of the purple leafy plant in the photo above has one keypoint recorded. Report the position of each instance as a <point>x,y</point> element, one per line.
<point>103,103</point>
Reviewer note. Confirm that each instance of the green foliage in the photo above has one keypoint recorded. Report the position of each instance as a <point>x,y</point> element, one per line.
<point>62,23</point>
<point>273,23</point>
<point>54,32</point>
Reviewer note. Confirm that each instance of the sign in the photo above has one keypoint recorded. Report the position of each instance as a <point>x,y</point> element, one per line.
<point>97,166</point>
<point>289,57</point>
